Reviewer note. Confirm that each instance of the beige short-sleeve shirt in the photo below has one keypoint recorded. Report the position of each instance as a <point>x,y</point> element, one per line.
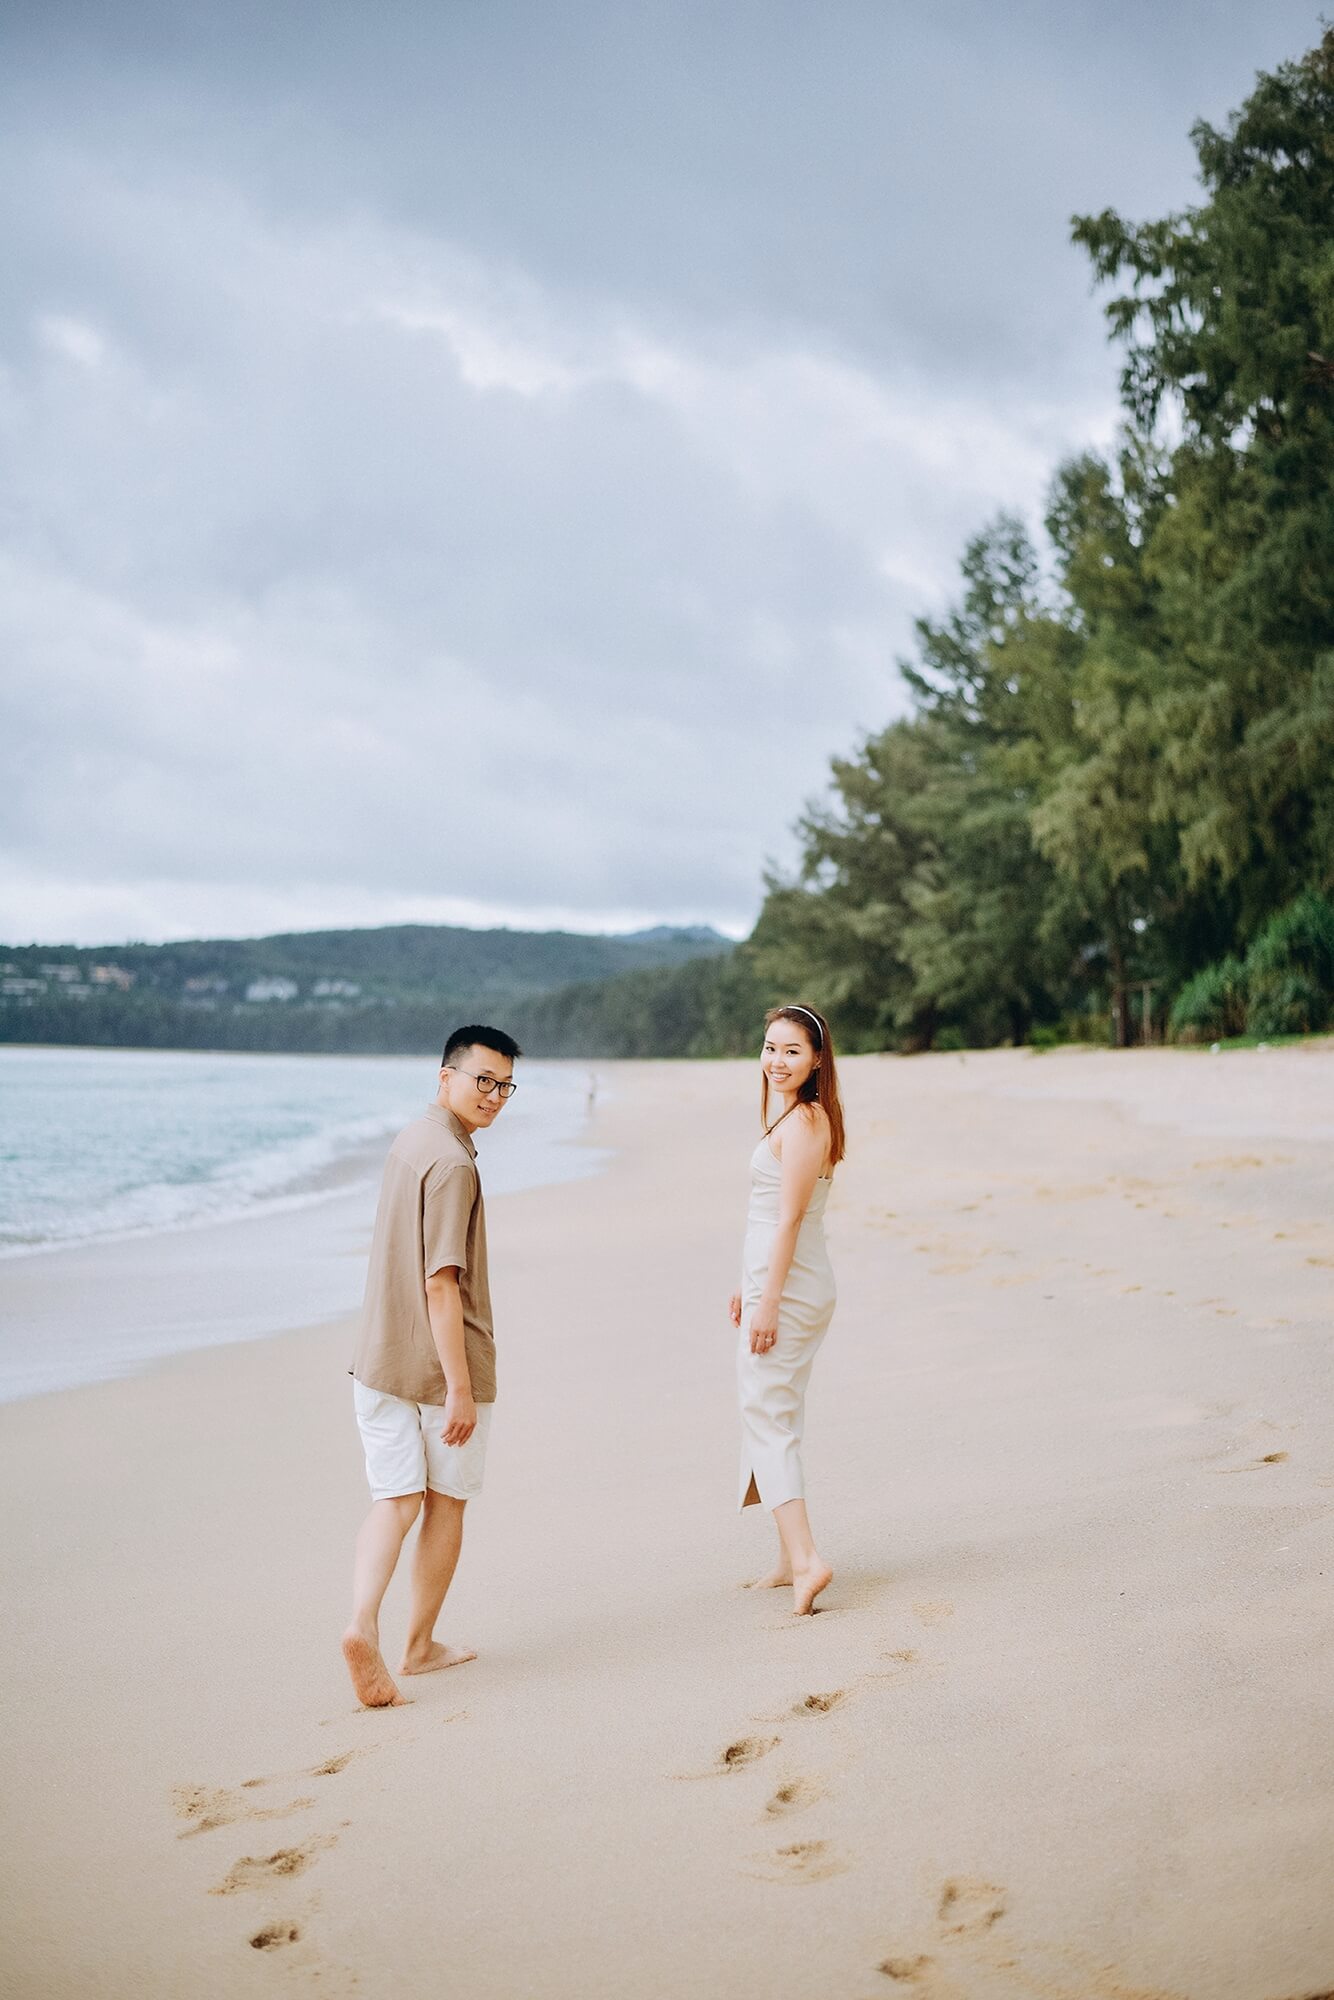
<point>430,1216</point>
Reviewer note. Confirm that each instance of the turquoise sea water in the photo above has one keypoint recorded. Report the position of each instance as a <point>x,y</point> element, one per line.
<point>151,1203</point>
<point>105,1143</point>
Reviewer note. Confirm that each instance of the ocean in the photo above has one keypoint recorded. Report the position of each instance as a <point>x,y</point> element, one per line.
<point>154,1201</point>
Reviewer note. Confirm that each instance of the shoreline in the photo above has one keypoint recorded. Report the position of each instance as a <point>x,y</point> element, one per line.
<point>351,1173</point>
<point>99,1306</point>
<point>1058,1736</point>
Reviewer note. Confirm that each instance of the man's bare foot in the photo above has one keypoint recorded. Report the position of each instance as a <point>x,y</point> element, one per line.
<point>777,1579</point>
<point>370,1676</point>
<point>806,1587</point>
<point>435,1657</point>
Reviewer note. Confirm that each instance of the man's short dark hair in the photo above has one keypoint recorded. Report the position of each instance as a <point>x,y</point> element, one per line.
<point>475,1035</point>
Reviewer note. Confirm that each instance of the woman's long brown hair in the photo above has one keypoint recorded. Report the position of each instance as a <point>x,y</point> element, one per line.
<point>821,1086</point>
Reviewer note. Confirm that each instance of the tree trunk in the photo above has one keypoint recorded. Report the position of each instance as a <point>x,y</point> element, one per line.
<point>1116,959</point>
<point>920,1036</point>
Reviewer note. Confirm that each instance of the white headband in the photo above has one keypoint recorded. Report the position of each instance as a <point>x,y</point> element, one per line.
<point>810,1017</point>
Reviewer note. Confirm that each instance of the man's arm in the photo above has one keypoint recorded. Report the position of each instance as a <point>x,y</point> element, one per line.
<point>444,1306</point>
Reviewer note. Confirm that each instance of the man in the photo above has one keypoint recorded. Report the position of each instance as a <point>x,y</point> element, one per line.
<point>424,1370</point>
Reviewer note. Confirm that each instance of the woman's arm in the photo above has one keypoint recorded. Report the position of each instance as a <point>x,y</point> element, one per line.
<point>804,1146</point>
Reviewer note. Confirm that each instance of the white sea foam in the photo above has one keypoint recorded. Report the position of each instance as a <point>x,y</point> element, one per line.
<point>164,1181</point>
<point>112,1144</point>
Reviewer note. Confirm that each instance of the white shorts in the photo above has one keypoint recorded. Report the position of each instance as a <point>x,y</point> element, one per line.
<point>405,1452</point>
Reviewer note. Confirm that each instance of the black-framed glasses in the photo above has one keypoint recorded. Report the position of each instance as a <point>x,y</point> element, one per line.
<point>486,1084</point>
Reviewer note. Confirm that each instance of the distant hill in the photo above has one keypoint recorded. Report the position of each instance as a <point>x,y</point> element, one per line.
<point>712,1006</point>
<point>367,991</point>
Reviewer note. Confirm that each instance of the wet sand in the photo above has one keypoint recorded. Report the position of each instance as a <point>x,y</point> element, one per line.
<point>1065,1729</point>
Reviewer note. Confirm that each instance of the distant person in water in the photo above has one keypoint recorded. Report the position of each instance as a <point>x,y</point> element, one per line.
<point>787,1294</point>
<point>424,1369</point>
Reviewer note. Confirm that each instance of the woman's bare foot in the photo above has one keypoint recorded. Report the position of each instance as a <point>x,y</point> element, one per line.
<point>777,1579</point>
<point>433,1658</point>
<point>806,1587</point>
<point>370,1676</point>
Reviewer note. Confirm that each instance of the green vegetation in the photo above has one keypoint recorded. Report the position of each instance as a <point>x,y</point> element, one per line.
<point>1117,774</point>
<point>706,1007</point>
<point>391,991</point>
<point>1119,766</point>
<point>1212,1006</point>
<point>1284,986</point>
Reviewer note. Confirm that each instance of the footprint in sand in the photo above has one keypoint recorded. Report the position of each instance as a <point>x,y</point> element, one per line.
<point>969,1908</point>
<point>746,1750</point>
<point>902,1663</point>
<point>329,1769</point>
<point>966,1910</point>
<point>1262,1431</point>
<point>793,1796</point>
<point>932,1614</point>
<point>821,1704</point>
<point>1270,1458</point>
<point>801,1861</point>
<point>274,1936</point>
<point>910,1970</point>
<point>897,1662</point>
<point>209,1807</point>
<point>257,1871</point>
<point>736,1756</point>
<point>920,1976</point>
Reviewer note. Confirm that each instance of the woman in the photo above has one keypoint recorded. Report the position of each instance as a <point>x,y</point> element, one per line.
<point>787,1290</point>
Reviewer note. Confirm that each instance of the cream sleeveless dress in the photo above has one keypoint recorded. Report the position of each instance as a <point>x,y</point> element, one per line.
<point>772,1386</point>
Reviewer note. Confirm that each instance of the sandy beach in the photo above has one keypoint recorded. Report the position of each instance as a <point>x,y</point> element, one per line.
<point>1065,1728</point>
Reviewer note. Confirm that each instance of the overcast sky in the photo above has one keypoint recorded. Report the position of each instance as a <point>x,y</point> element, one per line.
<point>476,461</point>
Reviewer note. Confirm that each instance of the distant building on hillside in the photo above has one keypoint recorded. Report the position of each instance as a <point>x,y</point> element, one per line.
<point>205,983</point>
<point>334,989</point>
<point>272,989</point>
<point>112,975</point>
<point>64,974</point>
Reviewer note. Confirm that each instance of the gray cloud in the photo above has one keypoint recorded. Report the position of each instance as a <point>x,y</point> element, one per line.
<point>482,462</point>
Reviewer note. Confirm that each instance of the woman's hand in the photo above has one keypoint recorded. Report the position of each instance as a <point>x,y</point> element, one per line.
<point>734,1308</point>
<point>763,1327</point>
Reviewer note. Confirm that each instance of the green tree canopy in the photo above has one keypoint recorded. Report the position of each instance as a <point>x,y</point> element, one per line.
<point>1119,761</point>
